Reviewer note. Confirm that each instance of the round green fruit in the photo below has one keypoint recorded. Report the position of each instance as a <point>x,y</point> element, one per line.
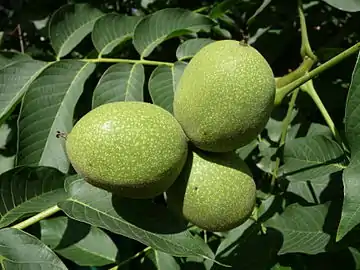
<point>133,149</point>
<point>215,191</point>
<point>225,96</point>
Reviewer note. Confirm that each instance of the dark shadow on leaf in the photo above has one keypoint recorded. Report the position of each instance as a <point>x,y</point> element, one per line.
<point>276,207</point>
<point>253,250</point>
<point>147,215</point>
<point>334,189</point>
<point>75,231</point>
<point>291,197</point>
<point>331,224</point>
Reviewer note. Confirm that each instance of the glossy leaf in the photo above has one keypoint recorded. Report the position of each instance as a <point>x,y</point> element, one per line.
<point>345,5</point>
<point>69,25</point>
<point>350,216</point>
<point>165,24</point>
<point>20,250</point>
<point>162,84</point>
<point>141,220</point>
<point>79,242</point>
<point>28,190</point>
<point>15,79</point>
<point>111,30</point>
<point>190,47</point>
<point>352,111</point>
<point>120,82</point>
<point>301,228</point>
<point>48,107</point>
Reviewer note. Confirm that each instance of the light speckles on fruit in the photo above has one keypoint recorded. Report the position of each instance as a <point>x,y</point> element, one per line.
<point>225,96</point>
<point>216,192</point>
<point>135,149</point>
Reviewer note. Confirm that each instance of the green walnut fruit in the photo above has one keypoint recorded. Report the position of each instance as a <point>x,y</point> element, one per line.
<point>215,191</point>
<point>133,149</point>
<point>225,96</point>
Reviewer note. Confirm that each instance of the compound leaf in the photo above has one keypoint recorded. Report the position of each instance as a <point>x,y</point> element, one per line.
<point>29,190</point>
<point>20,250</point>
<point>190,47</point>
<point>163,82</point>
<point>111,30</point>
<point>164,24</point>
<point>79,242</point>
<point>48,107</point>
<point>69,25</point>
<point>141,220</point>
<point>15,78</point>
<point>120,82</point>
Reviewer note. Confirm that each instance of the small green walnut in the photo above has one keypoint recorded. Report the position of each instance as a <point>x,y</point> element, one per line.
<point>133,149</point>
<point>215,191</point>
<point>225,96</point>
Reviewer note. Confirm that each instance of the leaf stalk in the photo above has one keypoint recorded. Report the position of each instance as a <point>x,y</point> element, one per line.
<point>34,219</point>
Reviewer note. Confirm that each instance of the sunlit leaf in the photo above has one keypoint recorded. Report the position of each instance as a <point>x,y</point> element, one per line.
<point>301,228</point>
<point>141,220</point>
<point>48,107</point>
<point>345,5</point>
<point>69,25</point>
<point>15,79</point>
<point>163,82</point>
<point>120,82</point>
<point>20,250</point>
<point>190,47</point>
<point>165,24</point>
<point>29,190</point>
<point>78,242</point>
<point>111,30</point>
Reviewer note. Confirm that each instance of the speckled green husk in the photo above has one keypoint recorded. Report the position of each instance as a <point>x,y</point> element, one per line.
<point>215,191</point>
<point>134,149</point>
<point>225,96</point>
